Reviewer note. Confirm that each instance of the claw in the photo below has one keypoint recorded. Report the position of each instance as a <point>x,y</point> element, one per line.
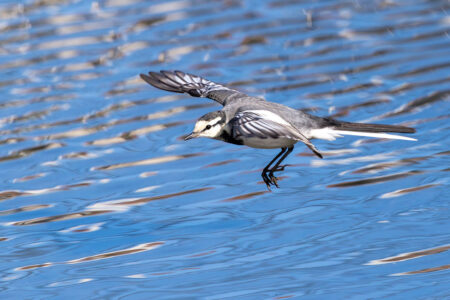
<point>266,180</point>
<point>273,179</point>
<point>270,179</point>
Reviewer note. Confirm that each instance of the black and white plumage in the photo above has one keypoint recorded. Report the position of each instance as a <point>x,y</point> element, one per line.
<point>257,123</point>
<point>180,82</point>
<point>264,129</point>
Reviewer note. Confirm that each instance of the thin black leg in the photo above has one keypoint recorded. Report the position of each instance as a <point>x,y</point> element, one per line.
<point>264,176</point>
<point>275,168</point>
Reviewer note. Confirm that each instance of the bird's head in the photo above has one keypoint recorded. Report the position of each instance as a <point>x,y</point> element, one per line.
<point>209,125</point>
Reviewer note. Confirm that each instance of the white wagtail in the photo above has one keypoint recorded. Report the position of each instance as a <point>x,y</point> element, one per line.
<point>257,123</point>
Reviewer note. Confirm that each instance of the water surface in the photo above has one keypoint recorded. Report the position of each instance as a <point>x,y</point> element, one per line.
<point>102,199</point>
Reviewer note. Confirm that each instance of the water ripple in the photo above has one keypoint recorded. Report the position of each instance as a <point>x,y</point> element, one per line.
<point>94,162</point>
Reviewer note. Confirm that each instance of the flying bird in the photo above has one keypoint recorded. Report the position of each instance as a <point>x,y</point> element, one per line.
<point>257,123</point>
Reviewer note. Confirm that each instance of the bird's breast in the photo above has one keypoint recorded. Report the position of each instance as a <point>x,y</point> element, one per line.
<point>257,142</point>
<point>268,143</point>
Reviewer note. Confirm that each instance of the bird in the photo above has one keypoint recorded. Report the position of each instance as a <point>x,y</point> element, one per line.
<point>258,123</point>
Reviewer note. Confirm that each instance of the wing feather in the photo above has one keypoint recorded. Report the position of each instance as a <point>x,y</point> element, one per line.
<point>196,86</point>
<point>248,124</point>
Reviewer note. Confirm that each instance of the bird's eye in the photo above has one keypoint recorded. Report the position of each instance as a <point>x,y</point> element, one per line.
<point>208,127</point>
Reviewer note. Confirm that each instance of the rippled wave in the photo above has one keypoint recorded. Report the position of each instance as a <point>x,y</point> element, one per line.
<point>93,159</point>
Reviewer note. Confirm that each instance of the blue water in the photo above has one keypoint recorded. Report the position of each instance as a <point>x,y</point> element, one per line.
<point>101,198</point>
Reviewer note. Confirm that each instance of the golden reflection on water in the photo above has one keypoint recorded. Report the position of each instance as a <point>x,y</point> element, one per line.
<point>28,151</point>
<point>44,265</point>
<point>12,194</point>
<point>125,204</point>
<point>41,99</point>
<point>409,255</point>
<point>62,217</point>
<point>33,115</point>
<point>351,160</point>
<point>336,153</point>
<point>401,192</point>
<point>29,177</point>
<point>374,180</point>
<point>419,103</point>
<point>132,250</point>
<point>84,228</point>
<point>413,255</point>
<point>345,110</point>
<point>4,195</point>
<point>374,168</point>
<point>24,208</point>
<point>220,163</point>
<point>246,196</point>
<point>150,161</point>
<point>100,208</point>
<point>130,135</point>
<point>79,132</point>
<point>427,270</point>
<point>106,255</point>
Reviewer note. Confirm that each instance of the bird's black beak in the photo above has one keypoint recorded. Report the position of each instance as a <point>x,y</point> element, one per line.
<point>191,136</point>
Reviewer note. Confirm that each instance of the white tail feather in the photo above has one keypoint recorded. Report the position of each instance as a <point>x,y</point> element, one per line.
<point>331,134</point>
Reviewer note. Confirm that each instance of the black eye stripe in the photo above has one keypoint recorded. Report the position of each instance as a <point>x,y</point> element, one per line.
<point>209,126</point>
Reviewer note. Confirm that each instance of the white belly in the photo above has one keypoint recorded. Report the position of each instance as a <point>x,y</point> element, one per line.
<point>269,143</point>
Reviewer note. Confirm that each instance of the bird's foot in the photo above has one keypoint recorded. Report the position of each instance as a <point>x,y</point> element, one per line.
<point>269,179</point>
<point>273,179</point>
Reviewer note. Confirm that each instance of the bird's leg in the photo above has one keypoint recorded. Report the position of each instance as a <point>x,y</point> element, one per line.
<point>277,166</point>
<point>264,176</point>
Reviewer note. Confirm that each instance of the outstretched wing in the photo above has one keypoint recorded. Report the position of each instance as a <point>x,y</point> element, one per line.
<point>196,86</point>
<point>265,124</point>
